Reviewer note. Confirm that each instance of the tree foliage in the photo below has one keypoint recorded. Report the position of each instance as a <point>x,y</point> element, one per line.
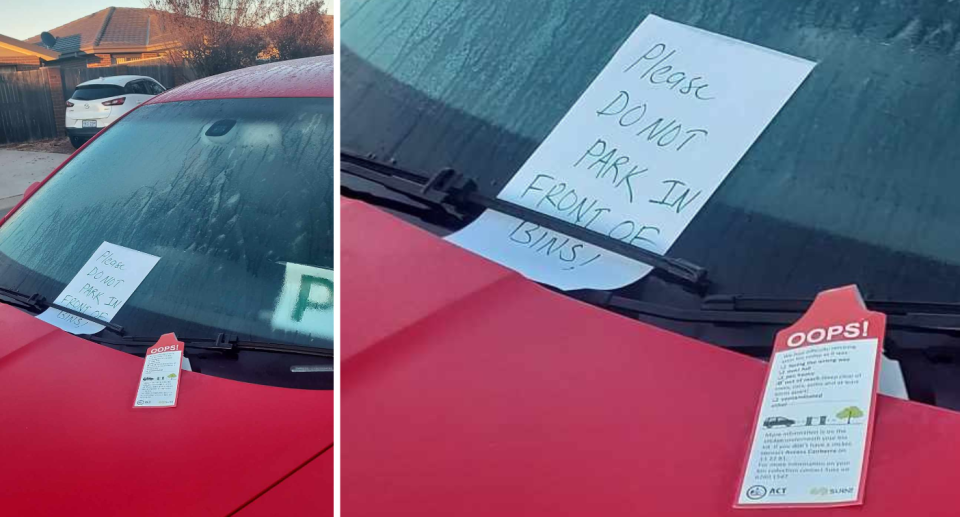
<point>300,29</point>
<point>216,36</point>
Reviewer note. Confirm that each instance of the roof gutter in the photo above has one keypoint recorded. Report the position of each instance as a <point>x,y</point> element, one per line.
<point>27,48</point>
<point>113,48</point>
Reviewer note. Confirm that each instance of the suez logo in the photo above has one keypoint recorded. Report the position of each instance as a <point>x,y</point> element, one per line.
<point>822,334</point>
<point>824,491</point>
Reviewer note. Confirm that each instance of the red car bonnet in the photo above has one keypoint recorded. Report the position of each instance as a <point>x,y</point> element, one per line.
<point>471,391</point>
<point>74,445</point>
<point>309,491</point>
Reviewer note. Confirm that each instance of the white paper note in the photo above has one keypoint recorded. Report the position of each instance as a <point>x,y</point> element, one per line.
<point>638,154</point>
<point>101,288</point>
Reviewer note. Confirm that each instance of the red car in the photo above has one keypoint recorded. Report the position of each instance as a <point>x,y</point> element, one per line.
<point>469,390</point>
<point>228,180</point>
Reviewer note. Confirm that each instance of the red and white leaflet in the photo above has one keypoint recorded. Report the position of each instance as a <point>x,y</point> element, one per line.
<point>160,380</point>
<point>812,432</point>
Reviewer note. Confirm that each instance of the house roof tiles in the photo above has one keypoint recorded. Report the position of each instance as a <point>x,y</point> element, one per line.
<point>106,29</point>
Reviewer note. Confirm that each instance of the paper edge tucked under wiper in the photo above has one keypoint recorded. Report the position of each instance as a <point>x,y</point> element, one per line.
<point>450,188</point>
<point>39,304</point>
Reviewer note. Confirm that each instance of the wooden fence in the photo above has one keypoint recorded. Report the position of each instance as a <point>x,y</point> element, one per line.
<point>32,102</point>
<point>26,107</point>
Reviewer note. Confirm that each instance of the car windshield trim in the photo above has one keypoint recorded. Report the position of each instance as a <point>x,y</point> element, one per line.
<point>721,309</point>
<point>225,343</point>
<point>449,188</point>
<point>222,342</point>
<point>715,309</point>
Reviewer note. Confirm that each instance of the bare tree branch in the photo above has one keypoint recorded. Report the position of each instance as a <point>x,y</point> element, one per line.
<point>215,36</point>
<point>300,28</point>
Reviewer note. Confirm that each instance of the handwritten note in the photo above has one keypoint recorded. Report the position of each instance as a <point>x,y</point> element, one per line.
<point>100,289</point>
<point>638,154</point>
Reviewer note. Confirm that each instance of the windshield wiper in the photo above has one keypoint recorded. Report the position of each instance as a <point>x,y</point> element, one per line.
<point>449,188</point>
<point>37,304</point>
<point>732,310</point>
<point>222,342</point>
<point>889,307</point>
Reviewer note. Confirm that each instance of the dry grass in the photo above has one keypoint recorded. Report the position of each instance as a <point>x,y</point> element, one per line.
<point>56,145</point>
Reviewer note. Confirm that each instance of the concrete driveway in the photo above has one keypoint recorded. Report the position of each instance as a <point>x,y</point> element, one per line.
<point>18,169</point>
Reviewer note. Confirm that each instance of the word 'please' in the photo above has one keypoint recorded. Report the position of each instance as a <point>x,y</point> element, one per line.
<point>659,72</point>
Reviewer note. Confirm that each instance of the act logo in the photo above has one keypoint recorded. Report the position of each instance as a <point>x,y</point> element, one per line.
<point>756,492</point>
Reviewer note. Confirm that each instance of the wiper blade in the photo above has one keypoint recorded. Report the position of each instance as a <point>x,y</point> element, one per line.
<point>222,342</point>
<point>608,300</point>
<point>943,318</point>
<point>449,188</point>
<point>746,303</point>
<point>37,304</point>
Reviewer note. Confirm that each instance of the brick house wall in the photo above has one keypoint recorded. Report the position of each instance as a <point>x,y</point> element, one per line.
<point>79,62</point>
<point>104,60</point>
<point>22,63</point>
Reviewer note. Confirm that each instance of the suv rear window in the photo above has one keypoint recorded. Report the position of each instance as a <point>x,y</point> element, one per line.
<point>96,91</point>
<point>137,87</point>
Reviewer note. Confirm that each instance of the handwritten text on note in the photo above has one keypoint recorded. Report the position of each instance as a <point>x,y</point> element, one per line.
<point>100,289</point>
<point>638,154</point>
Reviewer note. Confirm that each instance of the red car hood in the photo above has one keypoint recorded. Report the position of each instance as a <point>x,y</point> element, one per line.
<point>470,391</point>
<point>72,444</point>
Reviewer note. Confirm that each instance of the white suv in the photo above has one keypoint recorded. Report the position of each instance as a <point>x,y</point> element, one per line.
<point>95,104</point>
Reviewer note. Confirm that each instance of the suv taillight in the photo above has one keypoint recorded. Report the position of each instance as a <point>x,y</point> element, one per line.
<point>69,104</point>
<point>115,102</point>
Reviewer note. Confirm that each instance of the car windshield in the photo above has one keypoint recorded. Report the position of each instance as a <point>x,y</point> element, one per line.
<point>235,198</point>
<point>92,92</point>
<point>852,182</point>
